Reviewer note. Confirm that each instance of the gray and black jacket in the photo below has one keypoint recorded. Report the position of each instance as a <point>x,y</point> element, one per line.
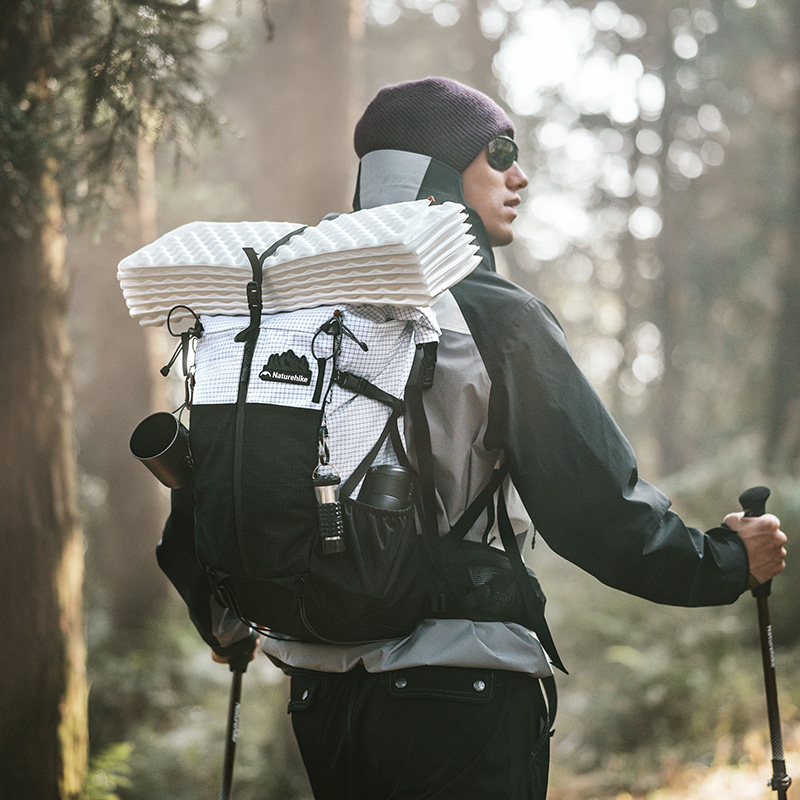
<point>506,390</point>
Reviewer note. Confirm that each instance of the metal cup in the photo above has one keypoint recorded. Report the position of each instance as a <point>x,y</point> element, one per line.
<point>161,442</point>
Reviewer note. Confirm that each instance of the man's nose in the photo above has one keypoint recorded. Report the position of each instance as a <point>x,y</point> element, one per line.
<point>516,177</point>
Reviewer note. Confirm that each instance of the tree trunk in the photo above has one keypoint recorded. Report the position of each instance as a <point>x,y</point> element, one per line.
<point>670,295</point>
<point>43,726</point>
<point>295,100</point>
<point>783,422</point>
<point>118,384</point>
<point>478,52</point>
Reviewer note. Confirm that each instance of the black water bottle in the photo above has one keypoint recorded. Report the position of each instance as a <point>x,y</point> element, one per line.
<point>387,486</point>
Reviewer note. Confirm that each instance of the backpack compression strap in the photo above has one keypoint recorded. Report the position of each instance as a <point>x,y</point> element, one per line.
<point>347,380</point>
<point>254,296</point>
<point>484,500</point>
<point>249,336</point>
<point>352,382</point>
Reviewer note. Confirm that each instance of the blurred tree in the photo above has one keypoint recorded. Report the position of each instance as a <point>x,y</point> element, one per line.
<point>783,433</point>
<point>656,197</point>
<point>116,385</point>
<point>290,101</point>
<point>80,83</point>
<point>409,39</point>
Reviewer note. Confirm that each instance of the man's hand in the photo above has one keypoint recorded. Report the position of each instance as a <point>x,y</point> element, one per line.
<point>764,541</point>
<point>227,659</point>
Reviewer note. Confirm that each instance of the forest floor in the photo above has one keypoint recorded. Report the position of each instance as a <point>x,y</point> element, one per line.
<point>746,779</point>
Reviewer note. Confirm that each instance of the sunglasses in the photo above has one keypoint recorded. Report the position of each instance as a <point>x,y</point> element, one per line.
<point>502,152</point>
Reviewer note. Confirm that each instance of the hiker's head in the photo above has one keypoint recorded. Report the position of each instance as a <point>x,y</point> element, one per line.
<point>455,124</point>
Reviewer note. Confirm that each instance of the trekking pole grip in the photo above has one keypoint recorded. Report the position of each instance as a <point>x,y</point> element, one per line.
<point>754,504</point>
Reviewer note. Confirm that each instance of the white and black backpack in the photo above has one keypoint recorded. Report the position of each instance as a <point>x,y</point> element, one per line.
<point>309,519</point>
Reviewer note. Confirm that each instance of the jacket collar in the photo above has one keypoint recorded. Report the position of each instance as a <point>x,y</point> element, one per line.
<point>397,176</point>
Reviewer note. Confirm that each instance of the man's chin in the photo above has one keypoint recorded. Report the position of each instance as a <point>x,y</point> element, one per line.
<point>501,238</point>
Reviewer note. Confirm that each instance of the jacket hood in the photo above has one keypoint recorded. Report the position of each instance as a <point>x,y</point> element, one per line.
<point>398,176</point>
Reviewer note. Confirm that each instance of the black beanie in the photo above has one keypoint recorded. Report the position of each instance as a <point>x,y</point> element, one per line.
<point>438,117</point>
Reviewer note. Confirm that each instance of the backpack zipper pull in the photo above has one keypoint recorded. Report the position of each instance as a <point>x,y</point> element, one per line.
<point>343,329</point>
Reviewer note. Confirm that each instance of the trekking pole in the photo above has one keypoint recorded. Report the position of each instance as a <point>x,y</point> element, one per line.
<point>238,665</point>
<point>754,505</point>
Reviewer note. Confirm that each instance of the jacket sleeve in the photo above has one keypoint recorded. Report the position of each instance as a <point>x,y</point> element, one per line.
<point>577,476</point>
<point>176,556</point>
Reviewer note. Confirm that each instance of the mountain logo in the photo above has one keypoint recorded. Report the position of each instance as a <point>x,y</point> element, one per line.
<point>287,367</point>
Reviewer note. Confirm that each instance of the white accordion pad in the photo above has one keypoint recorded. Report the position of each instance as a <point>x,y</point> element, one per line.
<point>404,254</point>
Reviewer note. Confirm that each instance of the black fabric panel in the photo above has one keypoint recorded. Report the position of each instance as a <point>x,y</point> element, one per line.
<point>176,557</point>
<point>280,510</point>
<point>441,182</point>
<point>573,467</point>
<point>444,184</point>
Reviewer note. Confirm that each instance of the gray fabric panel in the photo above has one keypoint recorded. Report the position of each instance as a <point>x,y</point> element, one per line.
<point>391,176</point>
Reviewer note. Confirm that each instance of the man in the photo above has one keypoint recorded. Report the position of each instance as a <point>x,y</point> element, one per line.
<point>456,710</point>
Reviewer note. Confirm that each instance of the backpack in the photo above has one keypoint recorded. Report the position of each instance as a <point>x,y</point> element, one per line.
<point>310,520</point>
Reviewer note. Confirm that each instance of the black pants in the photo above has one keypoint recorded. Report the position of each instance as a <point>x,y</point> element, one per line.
<point>427,732</point>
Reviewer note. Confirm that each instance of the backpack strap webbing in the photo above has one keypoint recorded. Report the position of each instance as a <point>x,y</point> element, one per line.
<point>484,500</point>
<point>533,606</point>
<point>354,383</point>
<point>238,442</point>
<point>549,686</point>
<point>255,302</point>
<point>360,471</point>
<point>423,379</point>
<point>249,336</point>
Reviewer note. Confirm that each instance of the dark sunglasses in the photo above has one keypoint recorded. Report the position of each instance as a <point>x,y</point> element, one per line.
<point>502,152</point>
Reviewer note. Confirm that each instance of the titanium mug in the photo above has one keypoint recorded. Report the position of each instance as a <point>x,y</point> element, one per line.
<point>161,442</point>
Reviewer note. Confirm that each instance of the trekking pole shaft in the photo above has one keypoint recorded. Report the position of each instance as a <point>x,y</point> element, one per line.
<point>230,739</point>
<point>754,504</point>
<point>780,780</point>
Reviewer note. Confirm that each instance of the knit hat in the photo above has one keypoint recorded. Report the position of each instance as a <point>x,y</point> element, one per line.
<point>438,117</point>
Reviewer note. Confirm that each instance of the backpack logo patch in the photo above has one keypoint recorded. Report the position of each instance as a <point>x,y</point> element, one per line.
<point>287,367</point>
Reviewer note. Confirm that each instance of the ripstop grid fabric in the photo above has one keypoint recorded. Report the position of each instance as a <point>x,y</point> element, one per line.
<point>354,422</point>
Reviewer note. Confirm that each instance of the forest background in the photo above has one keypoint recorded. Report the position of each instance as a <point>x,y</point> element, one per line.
<point>662,142</point>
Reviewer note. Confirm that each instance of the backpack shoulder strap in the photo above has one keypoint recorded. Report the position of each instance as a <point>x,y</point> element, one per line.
<point>484,500</point>
<point>348,380</point>
<point>422,379</point>
<point>533,605</point>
